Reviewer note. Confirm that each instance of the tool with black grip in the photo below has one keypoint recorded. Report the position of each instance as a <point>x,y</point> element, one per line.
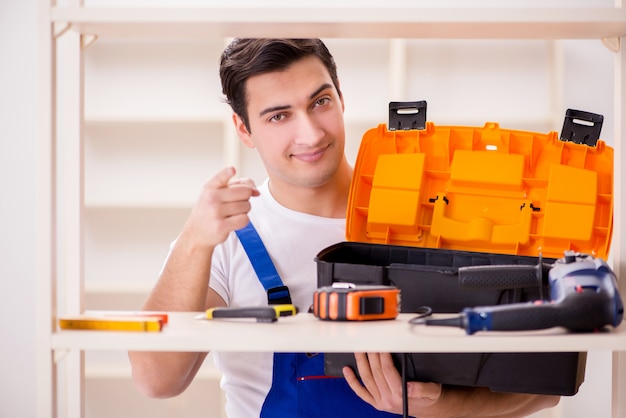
<point>583,297</point>
<point>269,313</point>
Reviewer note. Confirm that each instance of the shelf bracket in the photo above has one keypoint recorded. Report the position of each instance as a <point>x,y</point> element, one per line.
<point>59,355</point>
<point>613,44</point>
<point>59,28</point>
<point>87,40</point>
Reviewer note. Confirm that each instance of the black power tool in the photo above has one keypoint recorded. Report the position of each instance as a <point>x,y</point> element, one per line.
<point>584,297</point>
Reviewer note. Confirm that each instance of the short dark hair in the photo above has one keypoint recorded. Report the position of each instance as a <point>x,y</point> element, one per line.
<point>244,58</point>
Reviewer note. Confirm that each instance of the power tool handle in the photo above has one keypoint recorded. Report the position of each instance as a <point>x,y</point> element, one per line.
<point>513,317</point>
<point>585,311</point>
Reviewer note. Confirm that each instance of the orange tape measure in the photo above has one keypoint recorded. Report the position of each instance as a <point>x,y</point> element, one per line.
<point>349,302</point>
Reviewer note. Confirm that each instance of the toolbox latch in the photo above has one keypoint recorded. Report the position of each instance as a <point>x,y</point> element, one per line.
<point>404,116</point>
<point>582,127</point>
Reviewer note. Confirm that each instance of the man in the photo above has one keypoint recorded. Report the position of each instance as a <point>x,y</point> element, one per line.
<point>287,103</point>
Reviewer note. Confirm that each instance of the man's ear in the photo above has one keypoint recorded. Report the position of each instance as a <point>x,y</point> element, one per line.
<point>343,105</point>
<point>242,131</point>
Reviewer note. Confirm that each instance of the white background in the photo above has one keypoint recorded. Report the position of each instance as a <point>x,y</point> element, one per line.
<point>18,174</point>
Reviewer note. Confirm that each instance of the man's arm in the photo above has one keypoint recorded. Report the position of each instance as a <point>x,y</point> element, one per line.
<point>184,283</point>
<point>382,388</point>
<point>183,286</point>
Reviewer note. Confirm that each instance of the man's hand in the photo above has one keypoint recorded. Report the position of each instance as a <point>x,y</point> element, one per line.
<point>382,385</point>
<point>382,388</point>
<point>222,207</point>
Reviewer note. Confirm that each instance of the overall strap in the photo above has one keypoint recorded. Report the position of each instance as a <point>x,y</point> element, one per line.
<point>300,388</point>
<point>277,292</point>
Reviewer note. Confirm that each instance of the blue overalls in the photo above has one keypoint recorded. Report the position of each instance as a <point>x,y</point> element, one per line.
<point>300,389</point>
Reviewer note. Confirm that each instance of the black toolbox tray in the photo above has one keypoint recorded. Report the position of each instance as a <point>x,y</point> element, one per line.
<point>429,277</point>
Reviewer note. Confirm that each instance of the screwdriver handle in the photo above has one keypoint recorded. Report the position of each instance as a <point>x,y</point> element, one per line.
<point>269,313</point>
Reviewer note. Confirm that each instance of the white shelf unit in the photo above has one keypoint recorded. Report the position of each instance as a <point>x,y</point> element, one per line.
<point>93,198</point>
<point>187,333</point>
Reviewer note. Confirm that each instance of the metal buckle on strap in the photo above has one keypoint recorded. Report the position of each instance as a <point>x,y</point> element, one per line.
<point>278,295</point>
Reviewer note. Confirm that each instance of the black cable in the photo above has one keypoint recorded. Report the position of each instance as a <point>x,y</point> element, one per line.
<point>422,312</point>
<point>405,394</point>
<point>457,321</point>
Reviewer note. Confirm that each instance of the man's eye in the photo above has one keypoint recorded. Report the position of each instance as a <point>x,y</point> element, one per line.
<point>277,118</point>
<point>322,101</point>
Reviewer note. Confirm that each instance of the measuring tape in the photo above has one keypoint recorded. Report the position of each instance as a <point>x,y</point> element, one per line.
<point>350,302</point>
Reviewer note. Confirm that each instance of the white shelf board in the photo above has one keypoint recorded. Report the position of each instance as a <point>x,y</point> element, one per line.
<point>108,371</point>
<point>155,204</point>
<point>305,333</point>
<point>114,288</point>
<point>104,120</point>
<point>342,21</point>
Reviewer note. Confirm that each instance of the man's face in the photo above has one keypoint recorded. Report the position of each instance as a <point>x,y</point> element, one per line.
<point>296,123</point>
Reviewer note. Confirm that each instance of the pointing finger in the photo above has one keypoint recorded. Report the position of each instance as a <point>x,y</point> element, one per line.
<point>222,178</point>
<point>247,182</point>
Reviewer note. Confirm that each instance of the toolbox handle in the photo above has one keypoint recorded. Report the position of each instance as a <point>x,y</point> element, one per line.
<point>404,116</point>
<point>480,229</point>
<point>503,276</point>
<point>489,277</point>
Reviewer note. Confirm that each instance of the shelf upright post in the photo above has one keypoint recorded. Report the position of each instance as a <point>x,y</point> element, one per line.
<point>232,146</point>
<point>46,393</point>
<point>231,154</point>
<point>71,207</point>
<point>618,402</point>
<point>398,78</point>
<point>557,71</point>
<point>619,238</point>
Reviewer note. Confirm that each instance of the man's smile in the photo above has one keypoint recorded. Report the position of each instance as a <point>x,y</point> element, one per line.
<point>310,156</point>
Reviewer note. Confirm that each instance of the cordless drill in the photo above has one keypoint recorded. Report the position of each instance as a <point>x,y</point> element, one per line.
<point>583,297</point>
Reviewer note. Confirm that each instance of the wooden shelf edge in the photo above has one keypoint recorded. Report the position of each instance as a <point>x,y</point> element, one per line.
<point>341,21</point>
<point>108,371</point>
<point>304,333</point>
<point>101,120</point>
<point>121,288</point>
<point>120,204</point>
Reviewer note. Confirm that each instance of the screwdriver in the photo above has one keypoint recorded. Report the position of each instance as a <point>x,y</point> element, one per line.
<point>269,313</point>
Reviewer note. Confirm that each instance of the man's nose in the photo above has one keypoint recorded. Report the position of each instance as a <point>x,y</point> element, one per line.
<point>308,132</point>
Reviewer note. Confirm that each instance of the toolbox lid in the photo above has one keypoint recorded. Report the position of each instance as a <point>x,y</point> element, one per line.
<point>484,189</point>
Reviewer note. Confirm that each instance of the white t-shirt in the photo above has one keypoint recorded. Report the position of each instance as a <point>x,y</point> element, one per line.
<point>292,239</point>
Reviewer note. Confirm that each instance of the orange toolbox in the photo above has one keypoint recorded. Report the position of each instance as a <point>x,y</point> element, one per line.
<point>426,200</point>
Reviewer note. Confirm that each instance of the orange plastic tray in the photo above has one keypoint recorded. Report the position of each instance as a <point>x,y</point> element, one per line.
<point>482,189</point>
